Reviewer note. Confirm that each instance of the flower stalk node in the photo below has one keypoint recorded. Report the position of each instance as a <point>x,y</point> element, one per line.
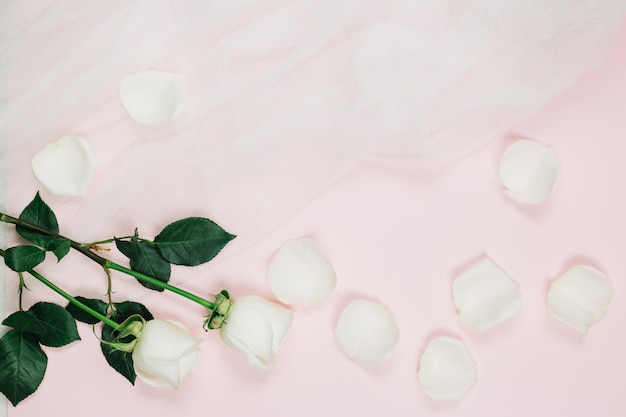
<point>132,326</point>
<point>219,312</point>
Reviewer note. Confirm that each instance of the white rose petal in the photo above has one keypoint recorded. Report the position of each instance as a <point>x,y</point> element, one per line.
<point>165,353</point>
<point>580,297</point>
<point>257,328</point>
<point>447,370</point>
<point>485,295</point>
<point>152,97</point>
<point>299,273</point>
<point>366,332</point>
<point>65,167</point>
<point>529,171</point>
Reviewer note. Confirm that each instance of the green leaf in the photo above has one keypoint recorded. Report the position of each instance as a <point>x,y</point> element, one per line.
<point>22,365</point>
<point>59,323</point>
<point>23,258</point>
<point>60,247</point>
<point>40,214</point>
<point>126,309</point>
<point>149,262</point>
<point>26,322</point>
<point>146,259</point>
<point>81,315</point>
<point>126,247</point>
<point>122,362</point>
<point>191,241</point>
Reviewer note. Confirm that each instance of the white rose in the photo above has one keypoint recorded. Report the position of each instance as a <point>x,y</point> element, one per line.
<point>165,353</point>
<point>256,327</point>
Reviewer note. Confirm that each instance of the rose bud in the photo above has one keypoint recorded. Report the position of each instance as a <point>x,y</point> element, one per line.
<point>257,328</point>
<point>165,353</point>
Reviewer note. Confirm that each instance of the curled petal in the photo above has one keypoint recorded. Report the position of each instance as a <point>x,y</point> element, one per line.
<point>485,295</point>
<point>65,167</point>
<point>257,328</point>
<point>165,353</point>
<point>299,273</point>
<point>447,370</point>
<point>580,297</point>
<point>153,98</point>
<point>529,171</point>
<point>366,332</point>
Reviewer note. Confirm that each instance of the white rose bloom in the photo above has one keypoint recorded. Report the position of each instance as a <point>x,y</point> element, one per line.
<point>153,98</point>
<point>529,171</point>
<point>257,328</point>
<point>299,273</point>
<point>165,353</point>
<point>580,297</point>
<point>367,332</point>
<point>447,370</point>
<point>65,167</point>
<point>485,295</point>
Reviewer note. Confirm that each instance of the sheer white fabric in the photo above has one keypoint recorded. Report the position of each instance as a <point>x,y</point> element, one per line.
<point>283,96</point>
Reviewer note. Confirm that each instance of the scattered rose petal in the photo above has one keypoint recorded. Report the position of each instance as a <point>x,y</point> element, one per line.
<point>152,97</point>
<point>299,273</point>
<point>65,167</point>
<point>447,370</point>
<point>366,332</point>
<point>580,297</point>
<point>485,295</point>
<point>529,171</point>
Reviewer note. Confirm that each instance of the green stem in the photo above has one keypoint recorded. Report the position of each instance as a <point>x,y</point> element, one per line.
<point>33,227</point>
<point>109,286</point>
<point>108,264</point>
<point>69,298</point>
<point>147,278</point>
<point>74,301</point>
<point>106,241</point>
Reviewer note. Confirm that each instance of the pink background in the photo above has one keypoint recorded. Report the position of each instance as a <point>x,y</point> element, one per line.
<point>398,234</point>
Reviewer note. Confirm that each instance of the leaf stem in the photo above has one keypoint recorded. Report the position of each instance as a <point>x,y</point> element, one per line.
<point>106,320</point>
<point>108,264</point>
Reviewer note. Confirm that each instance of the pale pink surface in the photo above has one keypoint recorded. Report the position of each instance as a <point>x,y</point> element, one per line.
<point>398,235</point>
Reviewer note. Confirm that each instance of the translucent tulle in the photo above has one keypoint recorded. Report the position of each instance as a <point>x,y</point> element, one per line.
<point>282,96</point>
